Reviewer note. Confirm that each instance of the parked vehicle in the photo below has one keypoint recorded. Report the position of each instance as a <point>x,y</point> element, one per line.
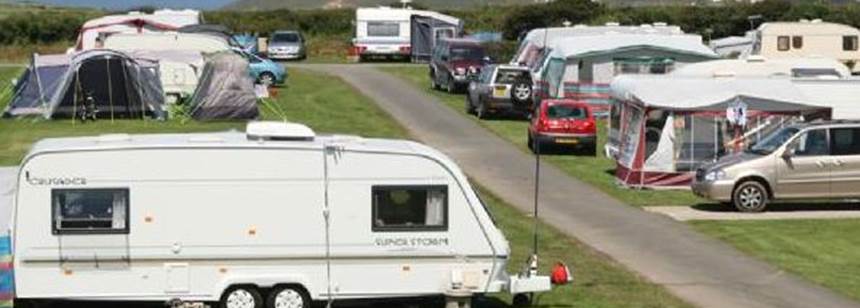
<point>819,160</point>
<point>563,123</point>
<point>265,71</point>
<point>500,88</point>
<point>775,40</point>
<point>286,45</point>
<point>386,32</point>
<point>453,61</point>
<point>276,214</point>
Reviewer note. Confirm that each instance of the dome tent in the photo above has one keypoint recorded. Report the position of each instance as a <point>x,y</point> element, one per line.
<point>58,86</point>
<point>225,90</point>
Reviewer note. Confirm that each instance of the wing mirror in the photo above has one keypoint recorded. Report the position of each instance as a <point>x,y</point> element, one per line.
<point>788,153</point>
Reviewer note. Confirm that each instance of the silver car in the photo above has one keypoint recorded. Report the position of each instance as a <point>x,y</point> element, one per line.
<point>819,160</point>
<point>286,45</point>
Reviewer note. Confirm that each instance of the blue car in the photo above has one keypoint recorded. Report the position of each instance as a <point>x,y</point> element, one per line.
<point>265,71</point>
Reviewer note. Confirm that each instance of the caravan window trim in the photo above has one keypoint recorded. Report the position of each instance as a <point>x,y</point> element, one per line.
<point>56,230</point>
<point>416,228</point>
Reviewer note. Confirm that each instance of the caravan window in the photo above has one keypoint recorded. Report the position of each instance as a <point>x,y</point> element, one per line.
<point>849,43</point>
<point>410,208</point>
<point>782,43</point>
<point>380,28</point>
<point>90,211</point>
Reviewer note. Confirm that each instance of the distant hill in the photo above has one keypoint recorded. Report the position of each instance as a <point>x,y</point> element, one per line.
<point>317,4</point>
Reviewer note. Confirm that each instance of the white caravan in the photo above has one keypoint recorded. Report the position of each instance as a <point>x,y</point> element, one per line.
<point>93,32</point>
<point>275,213</point>
<point>387,32</point>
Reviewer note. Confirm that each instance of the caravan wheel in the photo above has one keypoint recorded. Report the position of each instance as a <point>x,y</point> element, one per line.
<point>242,297</point>
<point>288,297</point>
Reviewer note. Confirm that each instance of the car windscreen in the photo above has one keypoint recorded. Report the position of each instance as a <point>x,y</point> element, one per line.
<point>509,76</point>
<point>285,38</point>
<point>565,111</point>
<point>467,53</point>
<point>773,141</point>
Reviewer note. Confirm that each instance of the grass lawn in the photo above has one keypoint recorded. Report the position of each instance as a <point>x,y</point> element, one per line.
<point>824,251</point>
<point>597,171</point>
<point>325,103</point>
<point>329,105</point>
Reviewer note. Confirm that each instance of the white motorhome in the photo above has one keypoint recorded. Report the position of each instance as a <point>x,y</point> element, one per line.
<point>275,213</point>
<point>393,32</point>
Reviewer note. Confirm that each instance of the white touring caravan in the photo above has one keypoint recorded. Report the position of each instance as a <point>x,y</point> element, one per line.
<point>275,215</point>
<point>405,33</point>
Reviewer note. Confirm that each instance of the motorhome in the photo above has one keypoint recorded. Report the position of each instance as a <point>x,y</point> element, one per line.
<point>405,33</point>
<point>276,212</point>
<point>808,38</point>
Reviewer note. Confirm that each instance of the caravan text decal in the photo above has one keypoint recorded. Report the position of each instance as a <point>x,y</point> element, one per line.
<point>412,241</point>
<point>55,181</point>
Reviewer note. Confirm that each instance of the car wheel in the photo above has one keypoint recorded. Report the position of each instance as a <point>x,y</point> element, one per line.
<point>266,79</point>
<point>241,297</point>
<point>481,111</point>
<point>288,297</point>
<point>531,143</point>
<point>750,197</point>
<point>469,108</point>
<point>452,87</point>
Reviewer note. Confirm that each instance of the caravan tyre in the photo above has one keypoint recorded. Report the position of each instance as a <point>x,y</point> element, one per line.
<point>288,297</point>
<point>242,297</point>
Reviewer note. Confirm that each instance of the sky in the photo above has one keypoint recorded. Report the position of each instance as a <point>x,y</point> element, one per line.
<point>125,4</point>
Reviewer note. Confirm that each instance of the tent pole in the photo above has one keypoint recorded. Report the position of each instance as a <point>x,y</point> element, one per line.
<point>110,89</point>
<point>75,96</point>
<point>35,72</point>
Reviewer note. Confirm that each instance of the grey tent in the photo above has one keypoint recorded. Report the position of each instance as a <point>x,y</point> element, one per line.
<point>427,29</point>
<point>225,90</point>
<point>59,86</point>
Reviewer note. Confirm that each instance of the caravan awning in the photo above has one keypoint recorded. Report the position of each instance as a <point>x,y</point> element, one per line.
<point>711,94</point>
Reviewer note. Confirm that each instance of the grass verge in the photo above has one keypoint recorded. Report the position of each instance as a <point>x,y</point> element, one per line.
<point>329,105</point>
<point>596,171</point>
<point>824,251</point>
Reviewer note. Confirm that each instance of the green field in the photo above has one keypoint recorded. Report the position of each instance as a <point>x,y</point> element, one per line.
<point>824,251</point>
<point>327,104</point>
<point>596,171</point>
<point>323,102</point>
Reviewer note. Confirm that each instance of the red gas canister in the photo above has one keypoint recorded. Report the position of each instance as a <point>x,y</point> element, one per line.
<point>560,274</point>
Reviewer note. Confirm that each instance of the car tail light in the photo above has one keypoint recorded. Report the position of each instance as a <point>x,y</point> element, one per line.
<point>543,124</point>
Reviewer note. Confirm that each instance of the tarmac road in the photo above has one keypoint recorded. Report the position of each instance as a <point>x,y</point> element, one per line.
<point>701,270</point>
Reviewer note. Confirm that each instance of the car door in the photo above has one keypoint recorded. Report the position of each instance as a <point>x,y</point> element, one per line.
<point>806,172</point>
<point>486,84</point>
<point>845,162</point>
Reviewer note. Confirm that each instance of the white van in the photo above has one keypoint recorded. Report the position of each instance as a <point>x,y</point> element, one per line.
<point>275,215</point>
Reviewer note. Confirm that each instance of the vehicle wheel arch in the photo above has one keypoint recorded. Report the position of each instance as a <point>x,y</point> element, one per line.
<point>757,178</point>
<point>263,283</point>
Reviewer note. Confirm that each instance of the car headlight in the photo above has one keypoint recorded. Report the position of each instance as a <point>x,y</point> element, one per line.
<point>715,175</point>
<point>460,71</point>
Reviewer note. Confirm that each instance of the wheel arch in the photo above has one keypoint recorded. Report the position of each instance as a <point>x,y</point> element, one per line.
<point>264,282</point>
<point>757,178</point>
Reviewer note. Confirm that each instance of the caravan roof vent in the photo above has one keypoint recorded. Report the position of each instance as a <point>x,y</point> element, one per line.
<point>612,24</point>
<point>661,24</point>
<point>270,130</point>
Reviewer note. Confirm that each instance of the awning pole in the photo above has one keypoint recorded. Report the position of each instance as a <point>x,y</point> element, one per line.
<point>110,89</point>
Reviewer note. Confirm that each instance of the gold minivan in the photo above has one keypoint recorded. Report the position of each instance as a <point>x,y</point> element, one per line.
<point>819,160</point>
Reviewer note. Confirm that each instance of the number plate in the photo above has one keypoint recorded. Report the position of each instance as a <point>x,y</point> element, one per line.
<point>566,141</point>
<point>499,92</point>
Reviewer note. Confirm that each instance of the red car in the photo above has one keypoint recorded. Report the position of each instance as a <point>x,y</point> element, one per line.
<point>563,123</point>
